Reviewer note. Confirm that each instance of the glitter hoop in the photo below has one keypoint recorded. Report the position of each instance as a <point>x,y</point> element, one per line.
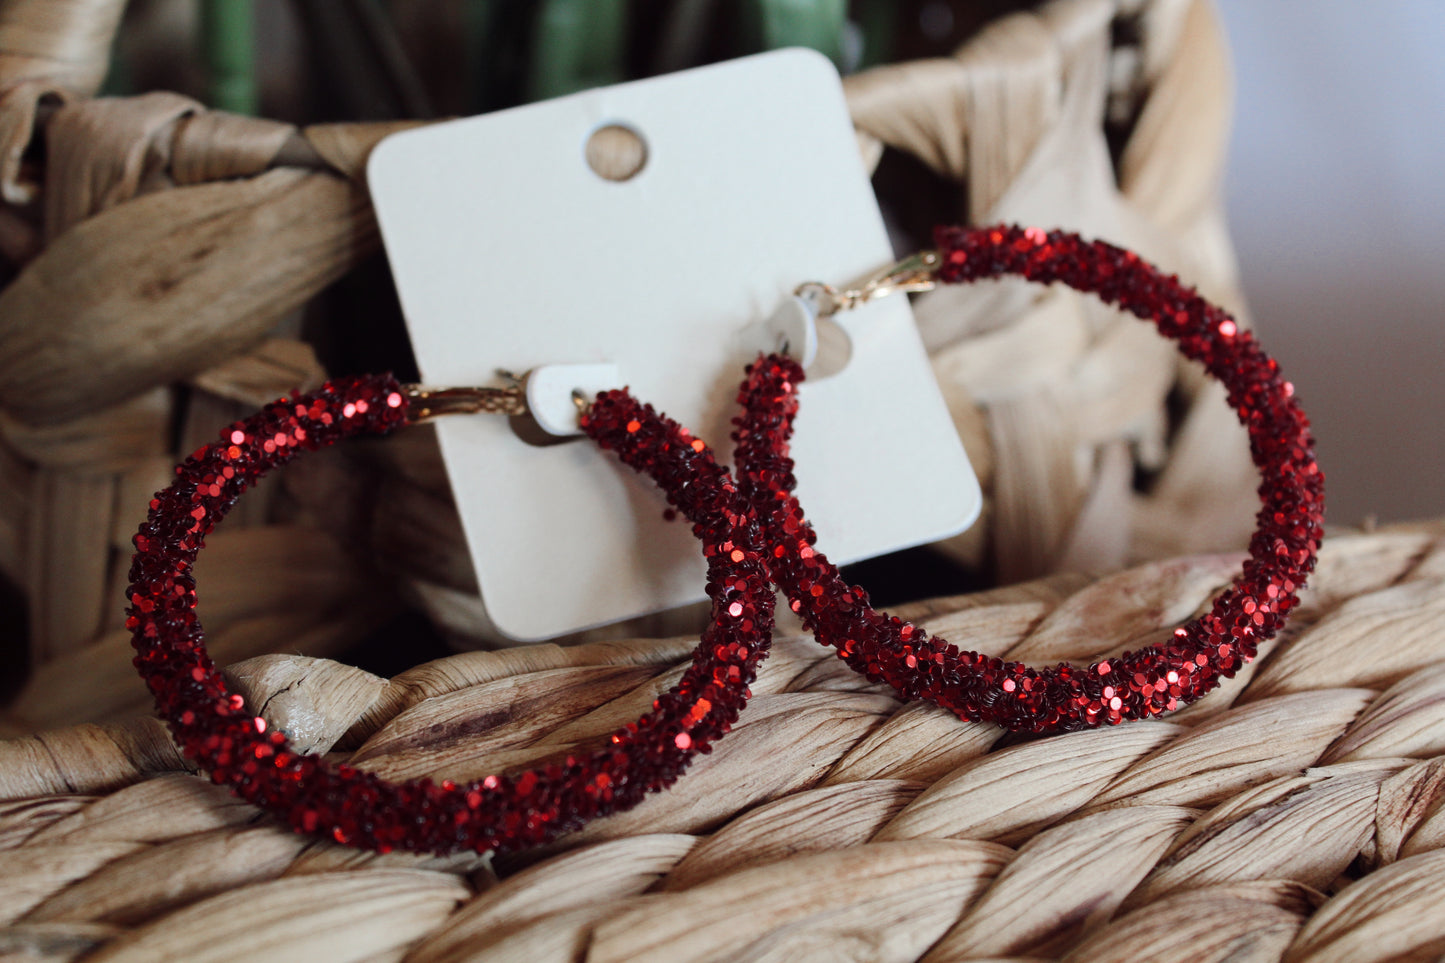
<point>216,730</point>
<point>1134,685</point>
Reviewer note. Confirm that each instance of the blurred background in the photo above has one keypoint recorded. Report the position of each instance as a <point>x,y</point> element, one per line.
<point>1337,209</point>
<point>1333,185</point>
<point>1097,449</point>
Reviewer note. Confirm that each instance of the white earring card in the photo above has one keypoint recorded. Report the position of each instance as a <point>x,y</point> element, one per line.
<point>511,253</point>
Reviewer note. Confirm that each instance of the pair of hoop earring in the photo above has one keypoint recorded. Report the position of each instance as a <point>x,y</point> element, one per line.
<point>754,535</point>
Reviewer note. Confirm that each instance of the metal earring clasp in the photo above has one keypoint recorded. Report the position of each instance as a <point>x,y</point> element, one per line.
<point>913,273</point>
<point>425,404</point>
<point>553,396</point>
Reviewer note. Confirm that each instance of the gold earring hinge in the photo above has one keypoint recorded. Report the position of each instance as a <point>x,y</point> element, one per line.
<point>425,404</point>
<point>913,273</point>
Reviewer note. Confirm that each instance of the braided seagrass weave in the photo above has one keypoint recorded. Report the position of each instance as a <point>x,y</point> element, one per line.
<point>1297,813</point>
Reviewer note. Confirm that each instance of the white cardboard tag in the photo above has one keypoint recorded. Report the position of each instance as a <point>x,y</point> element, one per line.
<point>510,253</point>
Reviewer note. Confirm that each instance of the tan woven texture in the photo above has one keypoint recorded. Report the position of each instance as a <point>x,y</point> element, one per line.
<point>162,245</point>
<point>1298,813</point>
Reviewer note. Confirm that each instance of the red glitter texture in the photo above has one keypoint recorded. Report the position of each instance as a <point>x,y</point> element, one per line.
<point>1134,685</point>
<point>508,811</point>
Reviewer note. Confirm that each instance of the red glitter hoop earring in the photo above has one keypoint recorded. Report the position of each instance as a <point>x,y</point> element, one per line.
<point>216,730</point>
<point>1063,697</point>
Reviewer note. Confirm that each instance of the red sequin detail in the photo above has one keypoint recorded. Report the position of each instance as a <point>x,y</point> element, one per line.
<point>214,728</point>
<point>1142,683</point>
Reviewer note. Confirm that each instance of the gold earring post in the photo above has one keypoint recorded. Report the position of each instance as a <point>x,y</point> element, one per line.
<point>913,273</point>
<point>425,404</point>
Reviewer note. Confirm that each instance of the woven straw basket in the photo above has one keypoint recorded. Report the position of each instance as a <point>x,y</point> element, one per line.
<point>164,250</point>
<point>1297,813</point>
